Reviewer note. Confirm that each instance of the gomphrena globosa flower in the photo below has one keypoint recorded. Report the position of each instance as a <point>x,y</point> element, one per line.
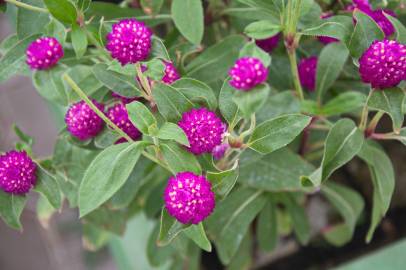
<point>118,115</point>
<point>383,64</point>
<point>17,172</point>
<point>129,41</point>
<point>44,53</point>
<point>307,72</point>
<point>247,73</point>
<point>203,129</point>
<point>123,99</point>
<point>324,39</point>
<point>189,198</point>
<point>268,44</point>
<point>82,122</point>
<point>171,74</point>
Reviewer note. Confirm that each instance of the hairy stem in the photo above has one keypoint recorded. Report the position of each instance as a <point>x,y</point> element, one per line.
<point>27,6</point>
<point>364,114</point>
<point>295,74</point>
<point>374,122</point>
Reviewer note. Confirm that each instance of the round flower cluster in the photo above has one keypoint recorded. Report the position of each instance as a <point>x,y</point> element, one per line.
<point>82,122</point>
<point>188,198</point>
<point>119,116</point>
<point>44,53</point>
<point>171,74</point>
<point>17,172</point>
<point>383,64</point>
<point>268,44</point>
<point>307,72</point>
<point>247,73</point>
<point>129,41</point>
<point>323,39</point>
<point>203,129</point>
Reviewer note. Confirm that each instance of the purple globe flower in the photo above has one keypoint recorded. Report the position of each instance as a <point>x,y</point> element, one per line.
<point>247,73</point>
<point>118,115</point>
<point>383,64</point>
<point>44,53</point>
<point>379,17</point>
<point>219,151</point>
<point>203,129</point>
<point>171,74</point>
<point>188,198</point>
<point>323,39</point>
<point>17,172</point>
<point>129,41</point>
<point>124,100</point>
<point>307,72</point>
<point>268,44</point>
<point>82,122</point>
<point>363,5</point>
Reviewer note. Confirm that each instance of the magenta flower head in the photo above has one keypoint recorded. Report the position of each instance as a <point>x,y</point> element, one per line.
<point>307,72</point>
<point>44,53</point>
<point>268,44</point>
<point>82,122</point>
<point>17,172</point>
<point>379,17</point>
<point>203,129</point>
<point>171,74</point>
<point>363,5</point>
<point>123,99</point>
<point>188,198</point>
<point>383,64</point>
<point>118,115</point>
<point>247,73</point>
<point>129,41</point>
<point>323,39</point>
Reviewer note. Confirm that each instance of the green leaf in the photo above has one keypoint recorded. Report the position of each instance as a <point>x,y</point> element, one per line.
<point>62,10</point>
<point>277,133</point>
<point>79,40</point>
<point>109,220</point>
<point>252,50</point>
<point>252,101</point>
<point>106,174</point>
<point>179,159</point>
<point>23,136</point>
<point>83,5</point>
<point>50,85</point>
<point>366,31</point>
<point>11,207</point>
<point>231,218</point>
<point>94,238</point>
<point>142,118</point>
<point>197,234</point>
<point>242,259</point>
<point>48,187</point>
<point>262,29</point>
<point>228,108</point>
<point>383,180</point>
<point>197,92</point>
<point>85,79</point>
<point>155,69</point>
<point>344,103</point>
<point>169,229</point>
<point>44,211</point>
<point>30,22</point>
<point>267,227</point>
<point>158,49</point>
<point>171,131</point>
<point>14,59</point>
<point>390,101</point>
<point>399,27</point>
<point>276,172</point>
<point>224,181</point>
<point>343,142</point>
<point>151,6</point>
<point>331,62</point>
<point>189,23</point>
<point>339,27</point>
<point>124,85</point>
<point>349,204</point>
<point>279,104</point>
<point>57,30</point>
<point>158,256</point>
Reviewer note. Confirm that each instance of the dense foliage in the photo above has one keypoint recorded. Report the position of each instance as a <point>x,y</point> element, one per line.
<point>218,120</point>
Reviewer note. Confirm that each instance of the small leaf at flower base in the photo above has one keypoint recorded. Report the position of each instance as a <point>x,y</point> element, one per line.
<point>383,180</point>
<point>262,29</point>
<point>179,159</point>
<point>224,181</point>
<point>329,66</point>
<point>11,207</point>
<point>169,228</point>
<point>399,27</point>
<point>155,69</point>
<point>197,91</point>
<point>344,103</point>
<point>277,133</point>
<point>22,135</point>
<point>231,219</point>
<point>79,40</point>
<point>124,85</point>
<point>343,142</point>
<point>390,101</point>
<point>158,49</point>
<point>48,187</point>
<point>190,24</point>
<point>252,101</point>
<point>105,138</point>
<point>106,174</point>
<point>228,108</point>
<point>171,131</point>
<point>142,118</point>
<point>50,86</point>
<point>366,31</point>
<point>349,204</point>
<point>62,10</point>
<point>252,50</point>
<point>267,227</point>
<point>339,27</point>
<point>30,22</point>
<point>197,234</point>
<point>57,30</point>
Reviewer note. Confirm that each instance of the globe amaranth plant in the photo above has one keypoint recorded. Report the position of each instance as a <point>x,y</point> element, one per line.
<point>208,117</point>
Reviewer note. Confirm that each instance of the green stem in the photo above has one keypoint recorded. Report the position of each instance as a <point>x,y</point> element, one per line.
<point>295,73</point>
<point>364,114</point>
<point>250,129</point>
<point>26,6</point>
<point>374,122</point>
<point>144,81</point>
